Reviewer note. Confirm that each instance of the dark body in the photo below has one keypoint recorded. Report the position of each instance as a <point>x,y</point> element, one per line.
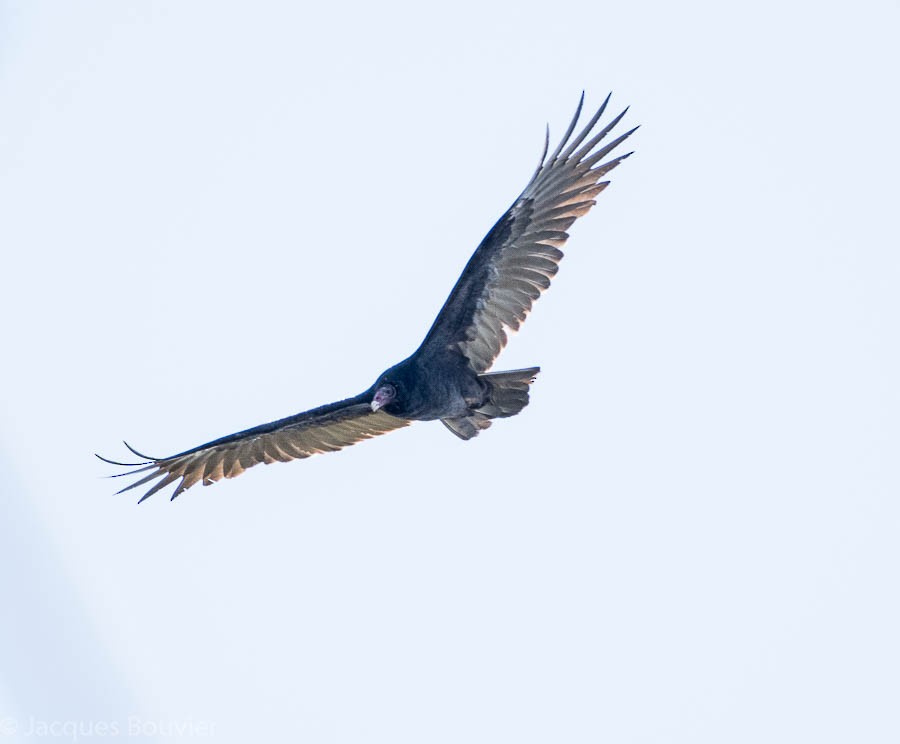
<point>448,377</point>
<point>433,385</point>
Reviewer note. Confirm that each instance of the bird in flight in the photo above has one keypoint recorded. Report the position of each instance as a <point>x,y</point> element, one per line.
<point>447,377</point>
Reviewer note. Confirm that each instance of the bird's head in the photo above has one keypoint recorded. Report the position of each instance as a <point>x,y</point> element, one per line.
<point>385,394</point>
<point>399,390</point>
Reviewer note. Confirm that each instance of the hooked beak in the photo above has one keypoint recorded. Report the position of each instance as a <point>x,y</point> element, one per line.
<point>381,398</point>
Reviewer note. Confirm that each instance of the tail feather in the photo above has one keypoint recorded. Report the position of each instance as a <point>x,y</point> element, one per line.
<point>507,395</point>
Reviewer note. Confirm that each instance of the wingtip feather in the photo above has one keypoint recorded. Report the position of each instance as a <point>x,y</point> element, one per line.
<point>139,454</point>
<point>571,128</point>
<point>120,464</point>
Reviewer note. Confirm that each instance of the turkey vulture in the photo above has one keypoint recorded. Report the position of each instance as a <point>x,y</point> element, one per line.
<point>447,377</point>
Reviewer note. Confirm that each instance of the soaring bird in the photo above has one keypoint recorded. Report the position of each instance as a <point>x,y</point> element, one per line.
<point>447,378</point>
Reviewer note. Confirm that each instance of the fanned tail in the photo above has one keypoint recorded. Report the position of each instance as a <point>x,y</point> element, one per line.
<point>507,395</point>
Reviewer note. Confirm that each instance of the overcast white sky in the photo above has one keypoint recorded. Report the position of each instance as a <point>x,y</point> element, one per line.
<point>214,216</point>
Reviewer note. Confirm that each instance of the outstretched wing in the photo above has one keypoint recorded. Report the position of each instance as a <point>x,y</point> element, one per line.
<point>324,429</point>
<point>518,257</point>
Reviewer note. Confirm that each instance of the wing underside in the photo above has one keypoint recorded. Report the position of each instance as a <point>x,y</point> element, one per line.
<point>518,258</point>
<point>326,429</point>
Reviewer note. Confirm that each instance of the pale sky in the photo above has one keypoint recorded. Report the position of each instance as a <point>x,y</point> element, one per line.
<point>216,214</point>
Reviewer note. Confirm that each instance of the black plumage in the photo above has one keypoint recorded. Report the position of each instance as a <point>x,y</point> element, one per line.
<point>447,377</point>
